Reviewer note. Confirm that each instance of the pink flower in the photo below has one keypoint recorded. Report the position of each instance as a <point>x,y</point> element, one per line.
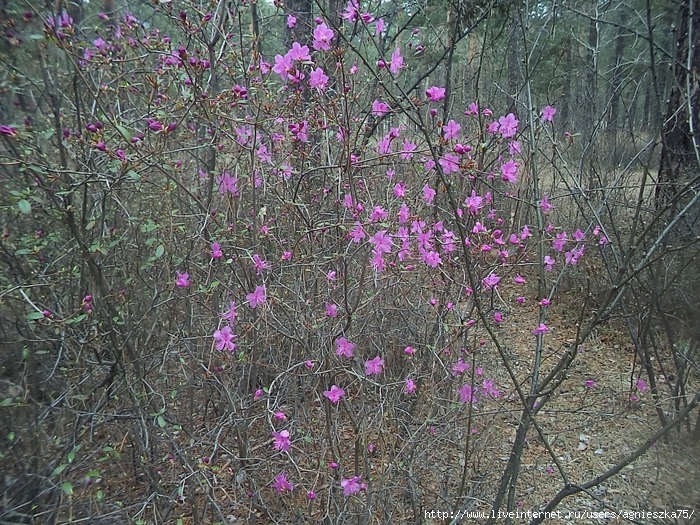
<point>467,394</point>
<point>299,52</point>
<point>435,93</point>
<point>282,440</point>
<point>374,366</point>
<point>334,394</point>
<point>559,242</point>
<point>428,194</point>
<point>183,280</point>
<point>283,66</point>
<point>291,21</point>
<point>451,130</point>
<point>281,484</point>
<point>318,79</point>
<point>224,339</point>
<point>641,385</point>
<point>544,204</point>
<point>548,113</point>
<point>541,329</point>
<point>449,163</point>
<point>509,171</point>
<point>508,126</point>
<point>548,263</point>
<point>257,297</point>
<point>358,233</point>
<point>410,386</point>
<point>344,347</point>
<point>331,310</point>
<point>408,149</point>
<point>379,108</point>
<point>409,350</point>
<point>590,383</point>
<point>474,203</point>
<point>216,251</point>
<point>379,27</point>
<point>322,37</point>
<point>498,317</point>
<point>382,242</point>
<point>491,281</point>
<point>259,264</point>
<point>460,367</point>
<point>351,486</point>
<point>397,62</point>
<point>518,279</point>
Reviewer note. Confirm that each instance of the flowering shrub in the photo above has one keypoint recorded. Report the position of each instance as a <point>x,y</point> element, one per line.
<point>298,254</point>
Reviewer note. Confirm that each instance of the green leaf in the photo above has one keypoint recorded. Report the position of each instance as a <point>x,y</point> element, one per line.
<point>161,422</point>
<point>34,316</point>
<point>59,469</point>
<point>160,251</point>
<point>99,496</point>
<point>24,206</point>
<point>67,487</point>
<point>124,132</point>
<point>71,456</point>
<point>133,175</point>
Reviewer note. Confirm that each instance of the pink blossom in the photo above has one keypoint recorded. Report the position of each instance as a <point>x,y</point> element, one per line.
<point>474,203</point>
<point>382,242</point>
<point>257,297</point>
<point>298,52</point>
<point>322,37</point>
<point>358,233</point>
<point>351,486</point>
<point>545,205</point>
<point>183,280</point>
<point>379,27</point>
<point>282,440</point>
<point>283,66</point>
<point>509,171</point>
<point>318,79</point>
<point>518,279</point>
<point>291,21</point>
<point>331,310</point>
<point>410,386</point>
<point>449,163</point>
<point>435,93</point>
<point>548,263</point>
<point>541,329</point>
<point>408,149</point>
<point>451,130</point>
<point>508,126</point>
<point>409,350</point>
<point>460,367</point>
<point>428,194</point>
<point>548,113</point>
<point>281,484</point>
<point>491,281</point>
<point>379,108</point>
<point>344,347</point>
<point>559,242</point>
<point>467,394</point>
<point>397,62</point>
<point>224,339</point>
<point>374,366</point>
<point>334,394</point>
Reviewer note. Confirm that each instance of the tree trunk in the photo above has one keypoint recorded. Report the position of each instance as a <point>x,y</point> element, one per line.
<point>680,130</point>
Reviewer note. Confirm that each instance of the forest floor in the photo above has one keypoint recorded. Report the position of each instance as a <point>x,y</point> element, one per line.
<point>590,427</point>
